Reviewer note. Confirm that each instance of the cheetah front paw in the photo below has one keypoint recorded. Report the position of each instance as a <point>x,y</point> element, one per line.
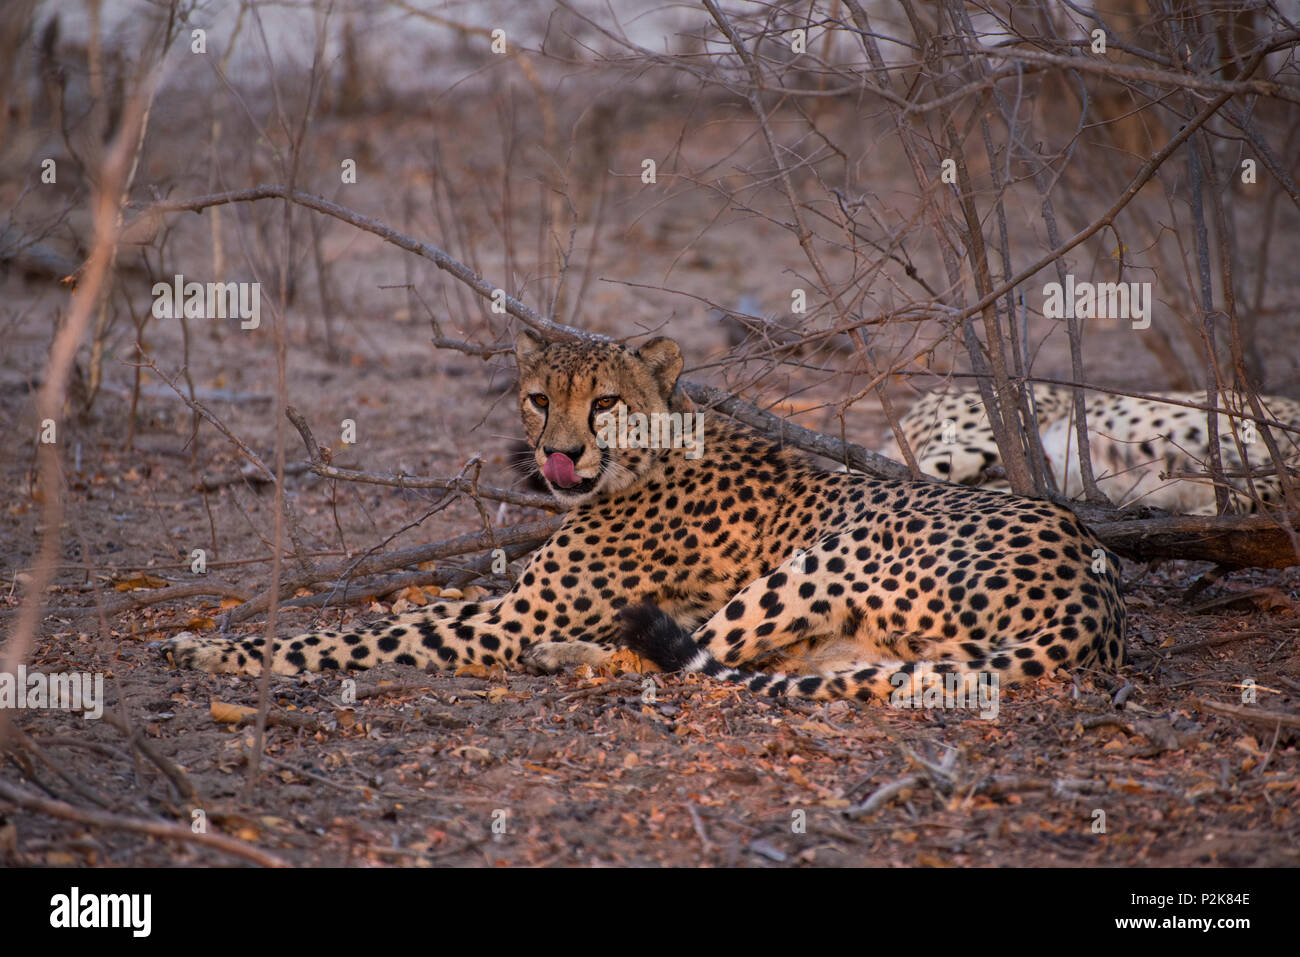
<point>188,650</point>
<point>552,656</point>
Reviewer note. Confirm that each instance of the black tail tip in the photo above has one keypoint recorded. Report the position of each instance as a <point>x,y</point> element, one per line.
<point>653,635</point>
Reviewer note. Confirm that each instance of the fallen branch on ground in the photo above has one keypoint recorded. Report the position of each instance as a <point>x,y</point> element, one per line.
<point>531,533</point>
<point>356,591</point>
<point>1234,541</point>
<point>136,739</point>
<point>145,598</point>
<point>1253,715</point>
<point>20,797</point>
<point>1213,642</point>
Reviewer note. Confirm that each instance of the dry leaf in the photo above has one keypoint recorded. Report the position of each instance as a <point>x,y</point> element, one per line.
<point>141,581</point>
<point>1247,743</point>
<point>820,728</point>
<point>414,594</point>
<point>931,860</point>
<point>473,669</point>
<point>479,755</point>
<point>227,713</point>
<point>625,659</point>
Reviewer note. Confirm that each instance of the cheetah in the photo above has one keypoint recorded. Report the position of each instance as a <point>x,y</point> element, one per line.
<point>1135,444</point>
<point>950,435</point>
<point>721,562</point>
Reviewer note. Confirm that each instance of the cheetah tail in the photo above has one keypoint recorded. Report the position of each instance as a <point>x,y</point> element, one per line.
<point>654,635</point>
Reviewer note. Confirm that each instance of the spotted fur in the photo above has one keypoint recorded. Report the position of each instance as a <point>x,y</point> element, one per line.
<point>747,551</point>
<point>950,435</point>
<point>1141,449</point>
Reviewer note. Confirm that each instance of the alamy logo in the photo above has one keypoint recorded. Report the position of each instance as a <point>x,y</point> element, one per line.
<point>68,691</point>
<point>658,430</point>
<point>1099,300</point>
<point>103,910</point>
<point>949,690</point>
<point>213,300</point>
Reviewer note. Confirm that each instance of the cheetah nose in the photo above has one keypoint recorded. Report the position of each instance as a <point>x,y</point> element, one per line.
<point>559,468</point>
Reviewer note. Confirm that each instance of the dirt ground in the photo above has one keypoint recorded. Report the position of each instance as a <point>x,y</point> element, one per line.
<point>431,769</point>
<point>590,770</point>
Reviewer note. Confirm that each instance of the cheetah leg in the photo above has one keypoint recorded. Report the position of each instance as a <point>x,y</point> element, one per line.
<point>443,609</point>
<point>906,684</point>
<point>441,635</point>
<point>792,604</point>
<point>551,656</point>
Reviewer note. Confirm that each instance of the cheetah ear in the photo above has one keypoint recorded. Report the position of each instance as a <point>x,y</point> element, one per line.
<point>664,359</point>
<point>527,345</point>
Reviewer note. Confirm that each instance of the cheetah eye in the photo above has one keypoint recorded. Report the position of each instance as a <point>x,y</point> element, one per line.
<point>539,400</point>
<point>605,402</point>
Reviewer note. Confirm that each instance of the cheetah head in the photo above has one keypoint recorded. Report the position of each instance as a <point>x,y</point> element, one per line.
<point>567,396</point>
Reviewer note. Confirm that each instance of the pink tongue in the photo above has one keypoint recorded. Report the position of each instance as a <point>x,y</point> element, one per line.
<point>559,469</point>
